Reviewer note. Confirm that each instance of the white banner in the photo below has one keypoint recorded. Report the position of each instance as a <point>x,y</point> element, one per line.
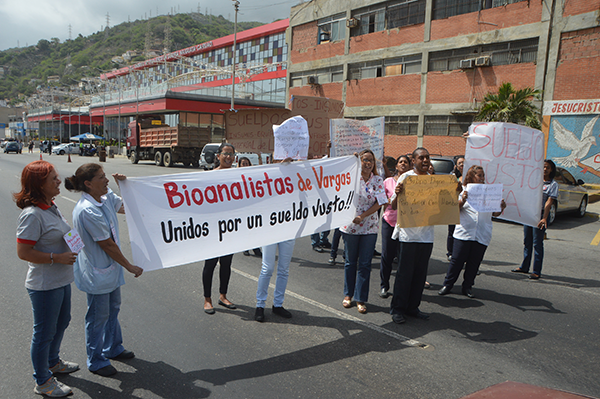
<point>179,219</point>
<point>349,136</point>
<point>485,197</point>
<point>511,155</point>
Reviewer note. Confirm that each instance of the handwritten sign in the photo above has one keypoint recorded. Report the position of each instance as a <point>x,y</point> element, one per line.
<point>349,136</point>
<point>485,197</point>
<point>428,201</point>
<point>251,130</point>
<point>291,139</point>
<point>73,240</point>
<point>511,155</point>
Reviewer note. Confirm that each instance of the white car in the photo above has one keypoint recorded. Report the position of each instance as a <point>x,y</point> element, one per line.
<point>69,148</point>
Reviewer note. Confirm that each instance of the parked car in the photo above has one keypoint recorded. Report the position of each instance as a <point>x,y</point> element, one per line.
<point>6,141</point>
<point>12,146</point>
<point>69,148</point>
<point>44,145</point>
<point>266,158</point>
<point>442,165</point>
<point>572,196</point>
<point>207,157</point>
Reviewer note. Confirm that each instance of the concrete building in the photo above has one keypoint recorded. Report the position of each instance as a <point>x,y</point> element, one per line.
<point>427,64</point>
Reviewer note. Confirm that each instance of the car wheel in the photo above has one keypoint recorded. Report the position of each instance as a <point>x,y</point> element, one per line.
<point>133,157</point>
<point>582,207</point>
<point>168,159</point>
<point>158,158</point>
<point>195,164</point>
<point>61,152</point>
<point>552,214</point>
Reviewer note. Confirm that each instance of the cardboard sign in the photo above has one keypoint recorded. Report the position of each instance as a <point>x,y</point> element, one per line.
<point>427,201</point>
<point>291,139</point>
<point>485,197</point>
<point>317,111</point>
<point>251,130</point>
<point>350,135</point>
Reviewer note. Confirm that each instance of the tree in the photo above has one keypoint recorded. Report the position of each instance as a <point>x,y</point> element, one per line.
<point>510,105</point>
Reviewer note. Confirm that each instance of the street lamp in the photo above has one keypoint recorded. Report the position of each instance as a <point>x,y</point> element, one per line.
<point>236,5</point>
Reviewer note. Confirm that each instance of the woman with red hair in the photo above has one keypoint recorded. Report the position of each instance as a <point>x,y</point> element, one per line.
<point>40,242</point>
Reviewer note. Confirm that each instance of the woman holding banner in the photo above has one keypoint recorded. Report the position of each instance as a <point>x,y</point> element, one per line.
<point>389,247</point>
<point>360,236</point>
<point>99,266</point>
<point>471,237</point>
<point>242,163</point>
<point>224,159</point>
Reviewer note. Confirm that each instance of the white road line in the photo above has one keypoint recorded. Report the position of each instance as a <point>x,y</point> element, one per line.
<point>68,199</point>
<point>405,340</point>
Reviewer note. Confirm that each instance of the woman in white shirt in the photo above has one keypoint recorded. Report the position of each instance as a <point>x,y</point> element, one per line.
<point>471,237</point>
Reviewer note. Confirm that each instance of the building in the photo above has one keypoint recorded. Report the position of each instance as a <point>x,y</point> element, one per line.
<point>427,64</point>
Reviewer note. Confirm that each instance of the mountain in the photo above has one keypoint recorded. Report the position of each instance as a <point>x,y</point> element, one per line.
<point>24,69</point>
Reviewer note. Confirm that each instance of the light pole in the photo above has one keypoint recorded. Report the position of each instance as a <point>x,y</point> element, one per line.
<point>236,5</point>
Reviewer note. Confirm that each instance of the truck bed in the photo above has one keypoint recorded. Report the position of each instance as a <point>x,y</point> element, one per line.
<point>179,136</point>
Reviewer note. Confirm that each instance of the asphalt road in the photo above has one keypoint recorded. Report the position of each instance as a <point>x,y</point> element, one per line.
<point>543,332</point>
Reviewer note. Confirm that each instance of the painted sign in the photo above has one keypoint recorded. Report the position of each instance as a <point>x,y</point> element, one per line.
<point>251,130</point>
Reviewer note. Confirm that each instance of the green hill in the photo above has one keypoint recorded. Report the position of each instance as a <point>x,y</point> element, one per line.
<point>26,68</point>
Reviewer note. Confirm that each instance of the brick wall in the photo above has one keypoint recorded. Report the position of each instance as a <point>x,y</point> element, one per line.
<point>453,86</point>
<point>394,146</point>
<point>521,13</point>
<point>305,47</point>
<point>329,90</point>
<point>304,36</point>
<point>574,7</point>
<point>445,145</point>
<point>387,38</point>
<point>402,89</point>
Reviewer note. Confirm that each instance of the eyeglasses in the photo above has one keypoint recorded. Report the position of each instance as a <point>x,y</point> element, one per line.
<point>227,154</point>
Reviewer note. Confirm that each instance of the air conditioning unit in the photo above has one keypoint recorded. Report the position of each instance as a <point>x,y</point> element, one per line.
<point>467,64</point>
<point>482,61</point>
<point>352,23</point>
<point>312,80</point>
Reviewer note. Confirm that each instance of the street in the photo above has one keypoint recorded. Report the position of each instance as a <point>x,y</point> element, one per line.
<point>543,332</point>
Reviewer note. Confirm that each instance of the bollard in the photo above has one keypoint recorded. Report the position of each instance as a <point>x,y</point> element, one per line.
<point>41,159</point>
<point>69,158</point>
<point>102,155</point>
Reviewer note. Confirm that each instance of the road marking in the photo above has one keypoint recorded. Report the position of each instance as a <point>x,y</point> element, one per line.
<point>68,199</point>
<point>405,340</point>
<point>596,239</point>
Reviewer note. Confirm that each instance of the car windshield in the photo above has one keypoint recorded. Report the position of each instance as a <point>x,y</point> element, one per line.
<point>442,166</point>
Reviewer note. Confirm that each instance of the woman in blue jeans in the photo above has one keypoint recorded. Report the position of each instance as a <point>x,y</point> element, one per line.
<point>360,235</point>
<point>40,242</point>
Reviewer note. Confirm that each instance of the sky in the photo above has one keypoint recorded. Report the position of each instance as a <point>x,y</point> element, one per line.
<point>25,22</point>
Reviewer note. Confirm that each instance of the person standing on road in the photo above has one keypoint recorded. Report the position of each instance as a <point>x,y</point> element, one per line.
<point>534,236</point>
<point>471,237</point>
<point>40,242</point>
<point>360,235</point>
<point>98,270</point>
<point>30,147</point>
<point>224,159</point>
<point>457,172</point>
<point>389,246</point>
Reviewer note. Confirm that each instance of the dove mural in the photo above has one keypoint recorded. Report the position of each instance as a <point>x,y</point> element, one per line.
<point>572,139</point>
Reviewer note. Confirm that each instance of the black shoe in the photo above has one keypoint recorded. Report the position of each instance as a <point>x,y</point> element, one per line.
<point>246,253</point>
<point>376,253</point>
<point>105,371</point>
<point>209,311</point>
<point>384,293</point>
<point>445,290</point>
<point>228,306</point>
<point>519,270</point>
<point>125,355</point>
<point>468,292</point>
<point>318,249</point>
<point>326,245</point>
<point>331,261</point>
<point>280,311</point>
<point>398,319</point>
<point>418,315</point>
<point>257,252</point>
<point>259,315</point>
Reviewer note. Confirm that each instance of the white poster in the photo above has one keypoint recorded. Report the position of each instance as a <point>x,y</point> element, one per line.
<point>179,219</point>
<point>349,136</point>
<point>485,197</point>
<point>291,139</point>
<point>511,155</point>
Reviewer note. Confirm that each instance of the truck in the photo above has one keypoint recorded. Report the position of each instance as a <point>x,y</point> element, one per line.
<point>149,138</point>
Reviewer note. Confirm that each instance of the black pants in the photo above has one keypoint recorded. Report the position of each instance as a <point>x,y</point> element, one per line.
<point>224,274</point>
<point>450,239</point>
<point>413,260</point>
<point>467,253</point>
<point>389,250</point>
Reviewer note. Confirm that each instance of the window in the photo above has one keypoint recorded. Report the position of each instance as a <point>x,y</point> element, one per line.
<point>401,125</point>
<point>388,67</point>
<point>447,125</point>
<point>448,8</point>
<point>332,28</point>
<point>322,76</point>
<point>390,15</point>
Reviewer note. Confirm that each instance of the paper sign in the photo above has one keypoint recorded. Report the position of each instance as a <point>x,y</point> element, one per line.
<point>291,139</point>
<point>251,130</point>
<point>349,136</point>
<point>74,241</point>
<point>427,201</point>
<point>511,155</point>
<point>485,197</point>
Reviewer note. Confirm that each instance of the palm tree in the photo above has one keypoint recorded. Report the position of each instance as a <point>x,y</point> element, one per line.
<point>510,105</point>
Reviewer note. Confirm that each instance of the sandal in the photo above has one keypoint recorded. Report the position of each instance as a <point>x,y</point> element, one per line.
<point>362,308</point>
<point>347,303</point>
<point>534,276</point>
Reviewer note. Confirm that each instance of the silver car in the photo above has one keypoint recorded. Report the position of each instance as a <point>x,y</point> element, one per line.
<point>572,196</point>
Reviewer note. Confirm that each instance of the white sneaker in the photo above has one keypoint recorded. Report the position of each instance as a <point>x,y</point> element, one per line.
<point>63,367</point>
<point>53,389</point>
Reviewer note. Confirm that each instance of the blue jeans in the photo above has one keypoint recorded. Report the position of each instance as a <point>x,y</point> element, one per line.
<point>533,240</point>
<point>318,239</point>
<point>51,316</point>
<point>357,269</point>
<point>103,338</point>
<point>286,249</point>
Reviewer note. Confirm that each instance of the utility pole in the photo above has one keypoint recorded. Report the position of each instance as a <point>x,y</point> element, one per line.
<point>236,5</point>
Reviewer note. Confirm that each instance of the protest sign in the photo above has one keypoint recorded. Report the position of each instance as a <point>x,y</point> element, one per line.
<point>251,130</point>
<point>511,155</point>
<point>485,197</point>
<point>349,136</point>
<point>291,139</point>
<point>427,201</point>
<point>179,219</point>
<point>74,241</point>
<point>317,111</point>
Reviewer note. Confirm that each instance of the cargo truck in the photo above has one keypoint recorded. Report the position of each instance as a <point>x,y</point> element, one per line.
<point>149,138</point>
